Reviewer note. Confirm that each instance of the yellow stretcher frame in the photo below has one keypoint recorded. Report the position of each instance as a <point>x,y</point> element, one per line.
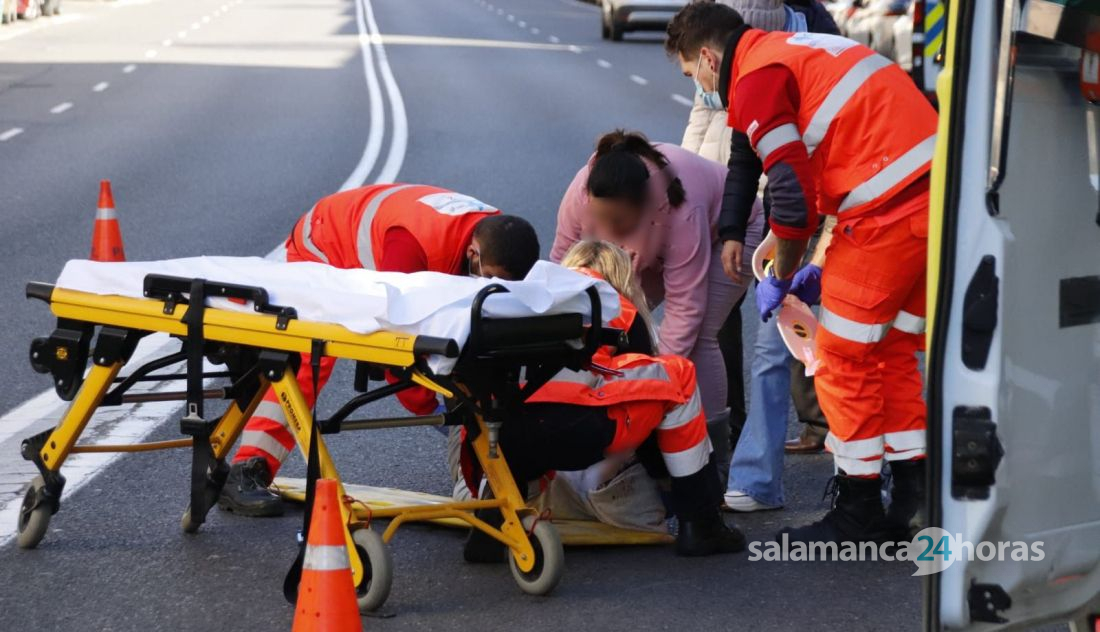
<point>536,570</point>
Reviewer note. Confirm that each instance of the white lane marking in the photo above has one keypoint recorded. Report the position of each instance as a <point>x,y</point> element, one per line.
<point>682,100</point>
<point>11,133</point>
<point>166,43</point>
<point>100,87</point>
<point>573,48</point>
<point>554,39</point>
<point>641,81</point>
<point>61,107</point>
<point>603,63</point>
<point>400,137</point>
<point>151,53</point>
<point>534,31</point>
<point>129,68</point>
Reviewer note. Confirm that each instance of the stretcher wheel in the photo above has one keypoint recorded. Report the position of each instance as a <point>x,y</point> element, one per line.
<point>549,558</point>
<point>188,524</point>
<point>377,580</point>
<point>34,515</point>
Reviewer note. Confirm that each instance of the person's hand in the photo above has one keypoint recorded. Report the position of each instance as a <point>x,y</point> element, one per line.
<point>806,284</point>
<point>770,293</point>
<point>731,259</point>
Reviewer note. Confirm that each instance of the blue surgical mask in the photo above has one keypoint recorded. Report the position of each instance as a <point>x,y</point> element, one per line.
<point>711,100</point>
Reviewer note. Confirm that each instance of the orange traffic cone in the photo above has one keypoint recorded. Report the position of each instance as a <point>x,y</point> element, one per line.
<point>107,236</point>
<point>326,593</point>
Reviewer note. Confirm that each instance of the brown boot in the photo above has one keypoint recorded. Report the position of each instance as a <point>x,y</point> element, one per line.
<point>811,441</point>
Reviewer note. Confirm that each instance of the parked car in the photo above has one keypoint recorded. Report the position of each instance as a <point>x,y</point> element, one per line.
<point>31,9</point>
<point>8,11</point>
<point>622,16</point>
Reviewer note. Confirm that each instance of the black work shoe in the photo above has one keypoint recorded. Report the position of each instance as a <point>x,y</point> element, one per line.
<point>856,516</point>
<point>482,548</point>
<point>708,536</point>
<point>906,514</point>
<point>246,491</point>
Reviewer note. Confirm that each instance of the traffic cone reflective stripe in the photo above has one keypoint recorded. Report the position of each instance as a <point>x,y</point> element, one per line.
<point>326,593</point>
<point>106,236</point>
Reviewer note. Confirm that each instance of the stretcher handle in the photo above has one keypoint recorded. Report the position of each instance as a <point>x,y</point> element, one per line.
<point>431,345</point>
<point>173,289</point>
<point>40,291</point>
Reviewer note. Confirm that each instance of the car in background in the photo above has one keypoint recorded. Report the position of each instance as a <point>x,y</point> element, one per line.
<point>622,16</point>
<point>27,9</point>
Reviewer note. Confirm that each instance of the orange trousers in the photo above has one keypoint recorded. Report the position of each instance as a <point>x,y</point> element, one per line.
<point>871,327</point>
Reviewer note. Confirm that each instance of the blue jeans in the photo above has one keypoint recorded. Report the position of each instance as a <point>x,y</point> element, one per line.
<point>757,466</point>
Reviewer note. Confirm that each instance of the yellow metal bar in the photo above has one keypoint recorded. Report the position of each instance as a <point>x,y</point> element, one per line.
<point>233,421</point>
<point>133,447</point>
<point>420,379</point>
<point>64,436</point>
<point>298,417</point>
<point>438,512</point>
<point>504,489</point>
<point>256,330</point>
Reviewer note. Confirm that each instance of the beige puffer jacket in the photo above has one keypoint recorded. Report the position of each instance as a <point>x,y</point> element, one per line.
<point>707,133</point>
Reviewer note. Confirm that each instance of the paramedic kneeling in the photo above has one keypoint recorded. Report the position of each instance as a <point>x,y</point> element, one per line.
<point>391,228</point>
<point>841,131</point>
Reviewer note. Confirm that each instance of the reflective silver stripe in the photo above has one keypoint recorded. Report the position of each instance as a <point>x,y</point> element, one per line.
<point>584,378</point>
<point>590,379</point>
<point>905,440</point>
<point>307,236</point>
<point>841,93</point>
<point>909,323</point>
<point>907,455</point>
<point>683,413</point>
<point>263,441</point>
<point>690,461</point>
<point>363,244</point>
<point>325,557</point>
<point>855,448</point>
<point>106,213</point>
<point>858,467</point>
<point>891,175</point>
<point>270,410</point>
<point>850,329</point>
<point>775,139</point>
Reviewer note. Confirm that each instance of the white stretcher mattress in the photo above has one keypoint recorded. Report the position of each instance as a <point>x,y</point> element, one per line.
<point>363,301</point>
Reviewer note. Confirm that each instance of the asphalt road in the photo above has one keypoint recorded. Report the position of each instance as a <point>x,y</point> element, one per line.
<point>215,143</point>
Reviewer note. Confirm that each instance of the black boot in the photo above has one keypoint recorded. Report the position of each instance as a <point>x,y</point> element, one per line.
<point>696,500</point>
<point>856,516</point>
<point>246,491</point>
<point>708,535</point>
<point>905,516</point>
<point>482,548</point>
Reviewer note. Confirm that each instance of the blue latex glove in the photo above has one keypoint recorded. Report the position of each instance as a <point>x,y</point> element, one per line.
<point>770,293</point>
<point>806,284</point>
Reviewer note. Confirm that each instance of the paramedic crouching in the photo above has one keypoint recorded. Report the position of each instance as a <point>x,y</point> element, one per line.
<point>391,228</point>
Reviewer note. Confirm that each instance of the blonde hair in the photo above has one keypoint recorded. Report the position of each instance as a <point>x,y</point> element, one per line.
<point>613,264</point>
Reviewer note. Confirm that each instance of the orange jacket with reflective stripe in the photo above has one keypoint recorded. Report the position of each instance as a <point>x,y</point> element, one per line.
<point>868,129</point>
<point>665,378</point>
<point>348,229</point>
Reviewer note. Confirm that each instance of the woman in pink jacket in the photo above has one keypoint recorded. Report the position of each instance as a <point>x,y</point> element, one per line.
<point>660,203</point>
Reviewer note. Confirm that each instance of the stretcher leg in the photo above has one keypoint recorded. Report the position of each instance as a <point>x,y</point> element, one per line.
<point>43,498</point>
<point>222,438</point>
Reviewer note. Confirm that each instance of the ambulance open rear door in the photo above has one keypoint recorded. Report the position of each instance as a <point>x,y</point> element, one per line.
<point>1014,331</point>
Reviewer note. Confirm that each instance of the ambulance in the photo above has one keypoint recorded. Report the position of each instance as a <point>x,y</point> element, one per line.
<point>1014,315</point>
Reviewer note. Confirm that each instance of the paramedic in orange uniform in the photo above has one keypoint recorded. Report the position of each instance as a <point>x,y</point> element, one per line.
<point>839,130</point>
<point>391,228</point>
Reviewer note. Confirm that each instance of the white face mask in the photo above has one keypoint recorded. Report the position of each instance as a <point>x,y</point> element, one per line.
<point>711,100</point>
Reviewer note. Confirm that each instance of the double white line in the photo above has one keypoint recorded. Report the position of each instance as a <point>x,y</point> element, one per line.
<point>375,64</point>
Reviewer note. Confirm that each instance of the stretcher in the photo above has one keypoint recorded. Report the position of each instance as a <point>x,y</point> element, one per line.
<point>503,361</point>
<point>795,320</point>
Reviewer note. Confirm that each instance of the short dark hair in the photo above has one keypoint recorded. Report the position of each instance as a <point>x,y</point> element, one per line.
<point>700,23</point>
<point>509,242</point>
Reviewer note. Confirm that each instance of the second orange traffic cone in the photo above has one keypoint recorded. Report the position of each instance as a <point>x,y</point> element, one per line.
<point>107,236</point>
<point>326,593</point>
